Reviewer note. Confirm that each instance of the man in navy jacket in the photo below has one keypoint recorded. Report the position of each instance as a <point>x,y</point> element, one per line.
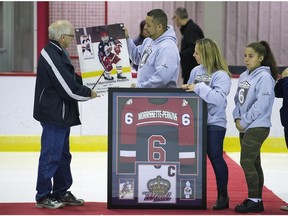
<point>57,92</point>
<point>281,91</point>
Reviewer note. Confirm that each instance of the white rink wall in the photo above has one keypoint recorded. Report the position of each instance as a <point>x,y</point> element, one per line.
<point>16,111</point>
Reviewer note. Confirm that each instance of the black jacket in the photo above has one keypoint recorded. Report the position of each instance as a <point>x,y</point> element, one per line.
<point>58,88</point>
<point>191,33</point>
<point>281,91</point>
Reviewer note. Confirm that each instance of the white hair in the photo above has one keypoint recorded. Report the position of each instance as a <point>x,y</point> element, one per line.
<point>59,28</point>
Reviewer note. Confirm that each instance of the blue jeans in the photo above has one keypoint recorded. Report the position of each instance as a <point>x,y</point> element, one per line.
<point>54,162</point>
<point>215,140</point>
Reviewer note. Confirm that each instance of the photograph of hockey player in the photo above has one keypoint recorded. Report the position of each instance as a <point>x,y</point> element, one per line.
<point>159,130</point>
<point>126,188</point>
<point>86,47</point>
<point>158,56</point>
<point>211,80</point>
<point>109,49</point>
<point>110,58</point>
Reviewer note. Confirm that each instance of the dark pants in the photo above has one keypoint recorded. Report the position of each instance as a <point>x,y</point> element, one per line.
<point>54,162</point>
<point>286,136</point>
<point>215,140</point>
<point>250,160</point>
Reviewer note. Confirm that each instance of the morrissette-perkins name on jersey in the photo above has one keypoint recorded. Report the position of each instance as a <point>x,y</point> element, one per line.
<point>157,114</point>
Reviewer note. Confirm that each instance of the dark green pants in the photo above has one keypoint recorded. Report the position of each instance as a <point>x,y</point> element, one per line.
<point>251,142</point>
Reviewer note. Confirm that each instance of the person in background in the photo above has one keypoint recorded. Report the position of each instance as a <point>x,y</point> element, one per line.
<point>191,33</point>
<point>57,92</point>
<point>281,91</point>
<point>158,57</point>
<point>211,80</point>
<point>139,39</point>
<point>252,115</point>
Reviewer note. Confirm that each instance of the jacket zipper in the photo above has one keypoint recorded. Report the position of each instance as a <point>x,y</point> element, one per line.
<point>40,98</point>
<point>63,111</point>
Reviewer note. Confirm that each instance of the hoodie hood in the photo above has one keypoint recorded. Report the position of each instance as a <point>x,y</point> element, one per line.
<point>257,71</point>
<point>168,34</point>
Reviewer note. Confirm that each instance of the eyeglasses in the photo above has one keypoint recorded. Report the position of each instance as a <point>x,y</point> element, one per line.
<point>70,35</point>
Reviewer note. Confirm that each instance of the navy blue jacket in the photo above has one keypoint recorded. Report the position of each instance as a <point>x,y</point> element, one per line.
<point>281,91</point>
<point>58,88</point>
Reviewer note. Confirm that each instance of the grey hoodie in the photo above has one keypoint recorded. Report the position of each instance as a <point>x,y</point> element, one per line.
<point>158,60</point>
<point>254,98</point>
<point>213,90</point>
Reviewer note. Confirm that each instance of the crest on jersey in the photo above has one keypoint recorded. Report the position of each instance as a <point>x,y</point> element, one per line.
<point>243,89</point>
<point>129,102</point>
<point>184,103</point>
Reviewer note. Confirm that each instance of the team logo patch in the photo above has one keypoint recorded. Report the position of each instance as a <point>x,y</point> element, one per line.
<point>158,190</point>
<point>187,189</point>
<point>157,183</point>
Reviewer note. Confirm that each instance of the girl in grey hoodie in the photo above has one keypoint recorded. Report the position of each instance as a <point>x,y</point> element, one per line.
<point>252,115</point>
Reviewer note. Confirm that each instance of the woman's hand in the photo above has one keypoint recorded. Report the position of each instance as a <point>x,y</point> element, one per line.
<point>188,87</point>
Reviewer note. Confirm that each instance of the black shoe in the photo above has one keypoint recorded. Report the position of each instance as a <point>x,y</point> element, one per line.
<point>120,76</point>
<point>221,203</point>
<point>70,200</point>
<point>261,206</point>
<point>249,206</point>
<point>108,77</point>
<point>50,203</point>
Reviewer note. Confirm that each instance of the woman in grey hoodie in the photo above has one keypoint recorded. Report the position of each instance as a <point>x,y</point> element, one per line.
<point>252,115</point>
<point>211,81</point>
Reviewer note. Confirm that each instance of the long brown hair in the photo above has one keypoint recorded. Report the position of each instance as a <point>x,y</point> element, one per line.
<point>263,49</point>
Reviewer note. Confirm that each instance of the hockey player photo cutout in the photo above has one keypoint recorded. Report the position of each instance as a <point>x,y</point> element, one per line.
<point>103,57</point>
<point>156,149</point>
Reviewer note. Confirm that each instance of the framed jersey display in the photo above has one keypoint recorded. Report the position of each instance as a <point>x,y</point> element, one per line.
<point>156,149</point>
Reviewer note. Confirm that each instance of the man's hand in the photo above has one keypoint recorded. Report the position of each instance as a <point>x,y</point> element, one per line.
<point>133,85</point>
<point>285,73</point>
<point>93,94</point>
<point>126,33</point>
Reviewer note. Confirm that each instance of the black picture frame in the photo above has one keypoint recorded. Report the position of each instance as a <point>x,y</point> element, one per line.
<point>156,149</point>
